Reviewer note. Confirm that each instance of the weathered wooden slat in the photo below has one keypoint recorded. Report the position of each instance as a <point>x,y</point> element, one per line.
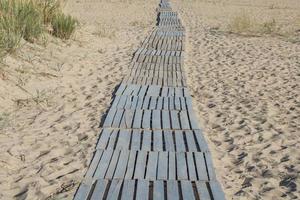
<point>172,190</point>
<point>151,166</point>
<point>187,190</point>
<point>142,190</point>
<point>158,190</point>
<point>128,190</point>
<point>162,168</point>
<point>99,190</point>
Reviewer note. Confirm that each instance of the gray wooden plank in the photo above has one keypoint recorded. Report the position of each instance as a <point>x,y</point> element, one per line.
<point>99,189</point>
<point>200,140</point>
<point>142,191</point>
<point>166,121</point>
<point>113,165</point>
<point>152,166</point>
<point>109,117</point>
<point>103,164</point>
<point>114,190</point>
<point>156,121</point>
<point>121,166</point>
<point>216,190</point>
<point>128,190</point>
<point>180,145</point>
<point>146,119</point>
<point>117,118</point>
<point>157,140</point>
<point>147,139</point>
<point>187,190</point>
<point>172,166</point>
<point>184,120</point>
<point>128,115</point>
<point>181,166</point>
<point>202,190</point>
<point>201,167</point>
<point>172,190</point>
<point>158,190</point>
<point>83,192</point>
<point>137,119</point>
<point>191,166</point>
<point>136,140</point>
<point>112,139</point>
<point>210,168</point>
<point>104,138</point>
<point>131,165</point>
<point>162,168</point>
<point>123,140</point>
<point>191,142</point>
<point>169,142</point>
<point>174,120</point>
<point>93,166</point>
<point>140,165</point>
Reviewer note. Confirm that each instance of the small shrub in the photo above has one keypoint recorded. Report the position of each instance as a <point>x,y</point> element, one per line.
<point>240,24</point>
<point>63,26</point>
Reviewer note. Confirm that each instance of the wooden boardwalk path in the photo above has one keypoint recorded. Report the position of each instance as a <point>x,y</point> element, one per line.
<point>151,146</point>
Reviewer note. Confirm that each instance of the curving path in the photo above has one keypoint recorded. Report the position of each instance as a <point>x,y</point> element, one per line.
<point>151,146</point>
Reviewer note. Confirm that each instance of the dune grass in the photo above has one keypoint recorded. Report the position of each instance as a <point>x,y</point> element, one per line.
<point>29,19</point>
<point>63,26</point>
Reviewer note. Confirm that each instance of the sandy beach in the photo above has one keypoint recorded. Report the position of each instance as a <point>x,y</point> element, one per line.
<point>245,90</point>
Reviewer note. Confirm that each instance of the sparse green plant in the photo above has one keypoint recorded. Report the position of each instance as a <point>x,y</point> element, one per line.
<point>4,120</point>
<point>49,9</point>
<point>63,26</point>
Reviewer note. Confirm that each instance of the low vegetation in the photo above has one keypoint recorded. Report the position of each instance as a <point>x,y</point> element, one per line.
<point>246,25</point>
<point>63,26</point>
<point>29,19</point>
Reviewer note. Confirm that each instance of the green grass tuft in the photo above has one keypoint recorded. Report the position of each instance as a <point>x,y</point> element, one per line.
<point>63,26</point>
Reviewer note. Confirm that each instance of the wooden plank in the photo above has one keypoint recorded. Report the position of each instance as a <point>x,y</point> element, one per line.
<point>191,142</point>
<point>200,140</point>
<point>151,166</point>
<point>114,190</point>
<point>142,191</point>
<point>99,190</point>
<point>157,140</point>
<point>121,167</point>
<point>210,168</point>
<point>169,143</point>
<point>162,168</point>
<point>146,119</point>
<point>93,166</point>
<point>83,192</point>
<point>187,190</point>
<point>103,164</point>
<point>147,139</point>
<point>174,120</point>
<point>181,166</point>
<point>113,165</point>
<point>128,190</point>
<point>104,138</point>
<point>123,140</point>
<point>166,121</point>
<point>136,140</point>
<point>202,190</point>
<point>158,190</point>
<point>184,120</point>
<point>140,165</point>
<point>201,167</point>
<point>172,166</point>
<point>131,165</point>
<point>217,190</point>
<point>191,166</point>
<point>172,190</point>
<point>156,121</point>
<point>109,117</point>
<point>112,139</point>
<point>117,118</point>
<point>179,138</point>
<point>137,119</point>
